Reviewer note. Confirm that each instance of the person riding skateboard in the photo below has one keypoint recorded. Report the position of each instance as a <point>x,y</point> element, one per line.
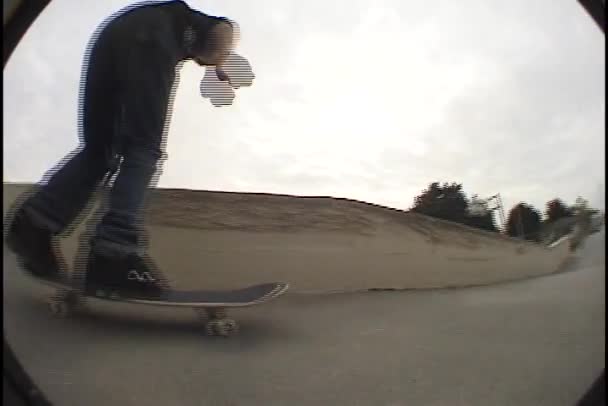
<point>128,88</point>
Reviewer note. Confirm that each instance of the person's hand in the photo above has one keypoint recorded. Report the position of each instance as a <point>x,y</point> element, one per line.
<point>219,92</point>
<point>238,70</point>
<point>218,83</point>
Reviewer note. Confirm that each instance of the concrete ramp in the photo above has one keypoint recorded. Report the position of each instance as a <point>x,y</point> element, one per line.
<point>225,240</point>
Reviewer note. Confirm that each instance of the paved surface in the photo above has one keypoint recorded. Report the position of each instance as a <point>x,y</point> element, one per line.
<point>536,342</point>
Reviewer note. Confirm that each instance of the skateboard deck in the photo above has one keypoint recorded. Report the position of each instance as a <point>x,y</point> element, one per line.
<point>211,304</point>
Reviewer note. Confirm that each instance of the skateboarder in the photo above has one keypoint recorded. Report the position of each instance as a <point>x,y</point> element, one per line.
<point>127,93</point>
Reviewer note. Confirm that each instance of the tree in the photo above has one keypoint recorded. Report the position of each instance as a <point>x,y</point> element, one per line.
<point>585,215</point>
<point>449,202</point>
<point>484,222</point>
<point>556,209</point>
<point>446,201</point>
<point>581,207</point>
<point>524,221</point>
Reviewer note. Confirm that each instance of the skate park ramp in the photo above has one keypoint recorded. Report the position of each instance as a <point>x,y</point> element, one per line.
<point>321,244</point>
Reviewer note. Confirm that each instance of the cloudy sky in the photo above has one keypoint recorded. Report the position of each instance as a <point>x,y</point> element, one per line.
<point>370,100</point>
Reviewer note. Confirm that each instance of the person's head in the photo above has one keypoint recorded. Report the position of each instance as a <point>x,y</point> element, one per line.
<point>218,42</point>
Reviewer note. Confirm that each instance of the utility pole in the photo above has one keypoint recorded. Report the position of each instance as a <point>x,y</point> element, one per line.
<point>496,201</point>
<point>520,223</point>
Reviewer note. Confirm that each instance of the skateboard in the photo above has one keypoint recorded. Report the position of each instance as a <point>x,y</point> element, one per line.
<point>210,305</point>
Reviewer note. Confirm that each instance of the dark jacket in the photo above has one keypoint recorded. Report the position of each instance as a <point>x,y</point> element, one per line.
<point>130,71</point>
<point>159,28</point>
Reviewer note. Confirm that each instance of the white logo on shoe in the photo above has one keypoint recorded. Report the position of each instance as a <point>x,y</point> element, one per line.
<point>143,277</point>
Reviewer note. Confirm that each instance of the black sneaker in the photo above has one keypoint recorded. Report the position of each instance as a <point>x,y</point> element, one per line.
<point>36,247</point>
<point>129,276</point>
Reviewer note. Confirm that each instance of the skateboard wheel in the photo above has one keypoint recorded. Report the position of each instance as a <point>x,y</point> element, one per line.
<point>63,304</point>
<point>222,327</point>
<point>231,326</point>
<point>59,308</point>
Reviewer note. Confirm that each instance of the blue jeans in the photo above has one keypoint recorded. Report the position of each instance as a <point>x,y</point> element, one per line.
<point>57,204</point>
<point>126,99</point>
